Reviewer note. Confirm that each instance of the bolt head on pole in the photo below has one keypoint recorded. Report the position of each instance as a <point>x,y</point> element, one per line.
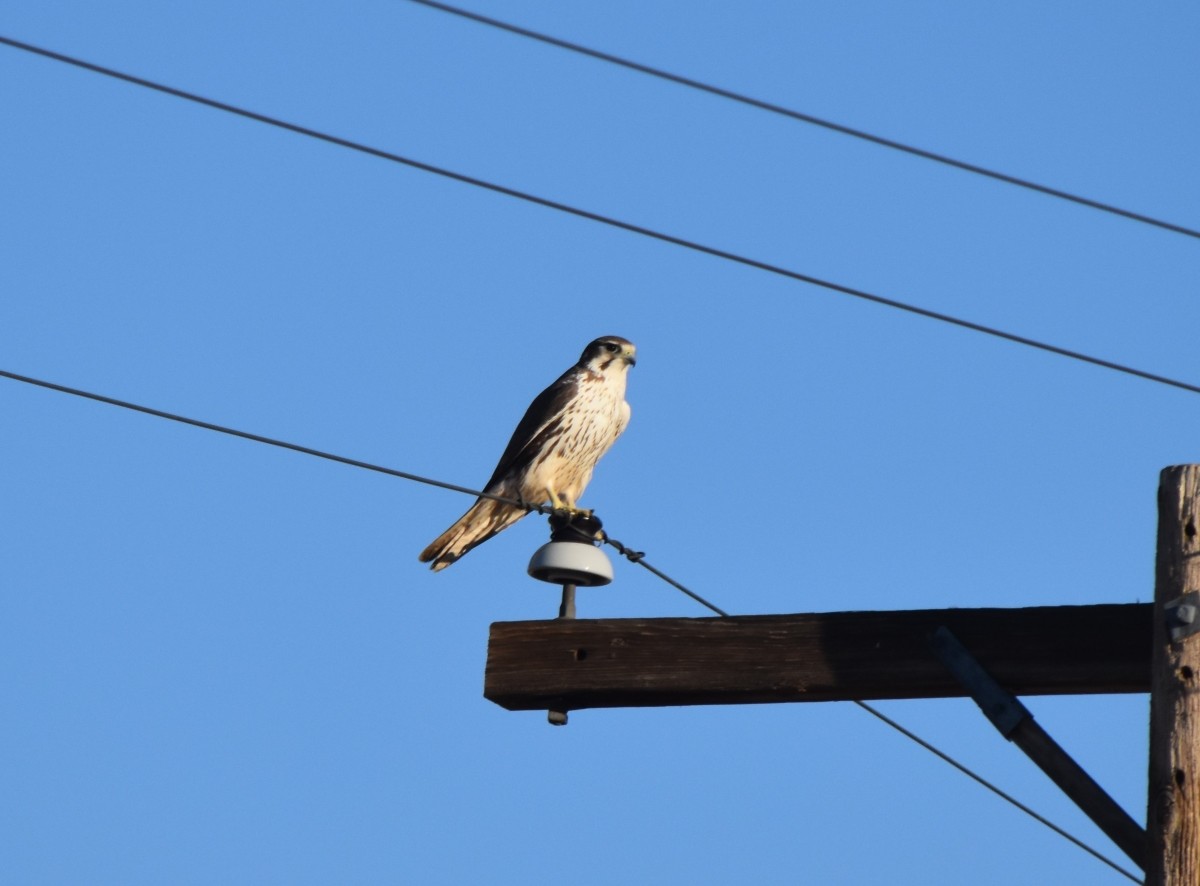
<point>572,556</point>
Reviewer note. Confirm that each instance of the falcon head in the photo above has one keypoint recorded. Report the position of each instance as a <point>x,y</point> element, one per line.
<point>608,351</point>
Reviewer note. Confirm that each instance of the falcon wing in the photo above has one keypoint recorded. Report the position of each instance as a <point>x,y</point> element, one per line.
<point>542,419</point>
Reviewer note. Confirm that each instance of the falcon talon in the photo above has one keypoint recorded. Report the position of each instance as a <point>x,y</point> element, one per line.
<point>573,513</point>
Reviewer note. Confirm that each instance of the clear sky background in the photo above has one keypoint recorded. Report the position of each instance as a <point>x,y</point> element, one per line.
<point>221,662</point>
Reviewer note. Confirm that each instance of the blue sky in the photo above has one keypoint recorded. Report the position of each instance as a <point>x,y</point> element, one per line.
<point>222,661</point>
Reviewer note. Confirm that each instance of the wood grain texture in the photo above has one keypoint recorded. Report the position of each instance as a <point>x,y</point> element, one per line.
<point>837,656</point>
<point>1174,789</point>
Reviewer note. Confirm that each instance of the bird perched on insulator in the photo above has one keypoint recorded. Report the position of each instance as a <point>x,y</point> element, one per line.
<point>553,451</point>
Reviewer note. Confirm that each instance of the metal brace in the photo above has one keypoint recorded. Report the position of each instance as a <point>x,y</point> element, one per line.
<point>1015,723</point>
<point>1001,707</point>
<point>1183,616</point>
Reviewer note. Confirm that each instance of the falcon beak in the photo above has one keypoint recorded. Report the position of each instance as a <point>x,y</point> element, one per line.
<point>629,357</point>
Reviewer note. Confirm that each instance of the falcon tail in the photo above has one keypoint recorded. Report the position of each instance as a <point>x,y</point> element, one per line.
<point>485,518</point>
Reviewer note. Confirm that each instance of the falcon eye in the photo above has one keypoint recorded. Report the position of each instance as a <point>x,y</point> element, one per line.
<point>611,347</point>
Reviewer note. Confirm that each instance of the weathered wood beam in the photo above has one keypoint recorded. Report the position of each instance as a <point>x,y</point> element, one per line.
<point>835,656</point>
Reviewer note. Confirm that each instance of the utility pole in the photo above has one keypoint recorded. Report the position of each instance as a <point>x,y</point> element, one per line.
<point>1173,815</point>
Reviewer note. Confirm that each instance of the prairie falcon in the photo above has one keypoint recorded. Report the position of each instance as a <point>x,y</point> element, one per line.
<point>553,450</point>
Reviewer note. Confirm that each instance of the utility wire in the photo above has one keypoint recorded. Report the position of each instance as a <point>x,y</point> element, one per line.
<point>991,787</point>
<point>607,220</point>
<point>639,558</point>
<point>802,117</point>
<point>635,557</point>
<point>630,554</point>
<point>258,438</point>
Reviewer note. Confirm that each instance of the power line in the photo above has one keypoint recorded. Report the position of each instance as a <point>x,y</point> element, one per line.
<point>258,438</point>
<point>604,219</point>
<point>933,749</point>
<point>639,558</point>
<point>995,790</point>
<point>630,554</point>
<point>804,118</point>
